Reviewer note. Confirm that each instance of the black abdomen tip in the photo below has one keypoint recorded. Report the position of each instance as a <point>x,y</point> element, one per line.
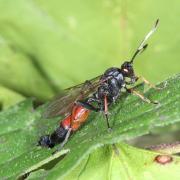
<point>45,141</point>
<point>56,137</point>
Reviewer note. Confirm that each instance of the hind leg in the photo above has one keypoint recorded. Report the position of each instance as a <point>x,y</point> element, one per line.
<point>65,141</point>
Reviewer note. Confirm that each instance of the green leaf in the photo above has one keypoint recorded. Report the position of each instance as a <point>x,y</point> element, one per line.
<point>17,72</point>
<point>53,40</point>
<point>21,126</point>
<point>121,162</point>
<point>9,97</point>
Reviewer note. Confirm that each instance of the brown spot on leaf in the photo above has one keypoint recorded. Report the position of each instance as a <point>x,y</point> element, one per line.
<point>163,159</point>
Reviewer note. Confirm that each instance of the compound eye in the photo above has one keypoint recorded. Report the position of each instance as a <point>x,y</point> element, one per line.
<point>125,70</point>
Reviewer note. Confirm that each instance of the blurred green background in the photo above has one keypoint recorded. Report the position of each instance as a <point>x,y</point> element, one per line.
<point>46,46</point>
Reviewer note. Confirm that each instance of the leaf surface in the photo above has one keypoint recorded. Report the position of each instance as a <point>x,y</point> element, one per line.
<point>21,127</point>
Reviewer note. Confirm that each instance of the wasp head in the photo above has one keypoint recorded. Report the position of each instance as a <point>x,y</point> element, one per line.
<point>128,71</point>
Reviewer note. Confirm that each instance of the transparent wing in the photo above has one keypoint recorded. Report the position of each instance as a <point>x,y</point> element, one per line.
<point>62,104</point>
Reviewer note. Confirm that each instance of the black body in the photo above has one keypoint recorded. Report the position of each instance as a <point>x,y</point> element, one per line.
<point>113,81</point>
<point>111,87</point>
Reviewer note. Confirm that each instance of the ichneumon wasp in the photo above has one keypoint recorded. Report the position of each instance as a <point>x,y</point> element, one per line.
<point>96,94</point>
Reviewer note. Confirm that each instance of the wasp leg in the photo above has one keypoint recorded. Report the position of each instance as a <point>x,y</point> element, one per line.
<point>65,141</point>
<point>136,93</point>
<point>89,106</point>
<point>106,112</point>
<point>148,83</point>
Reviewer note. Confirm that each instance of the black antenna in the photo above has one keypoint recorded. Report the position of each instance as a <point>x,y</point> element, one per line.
<point>142,45</point>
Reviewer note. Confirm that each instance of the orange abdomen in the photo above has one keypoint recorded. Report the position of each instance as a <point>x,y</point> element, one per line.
<point>78,117</point>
